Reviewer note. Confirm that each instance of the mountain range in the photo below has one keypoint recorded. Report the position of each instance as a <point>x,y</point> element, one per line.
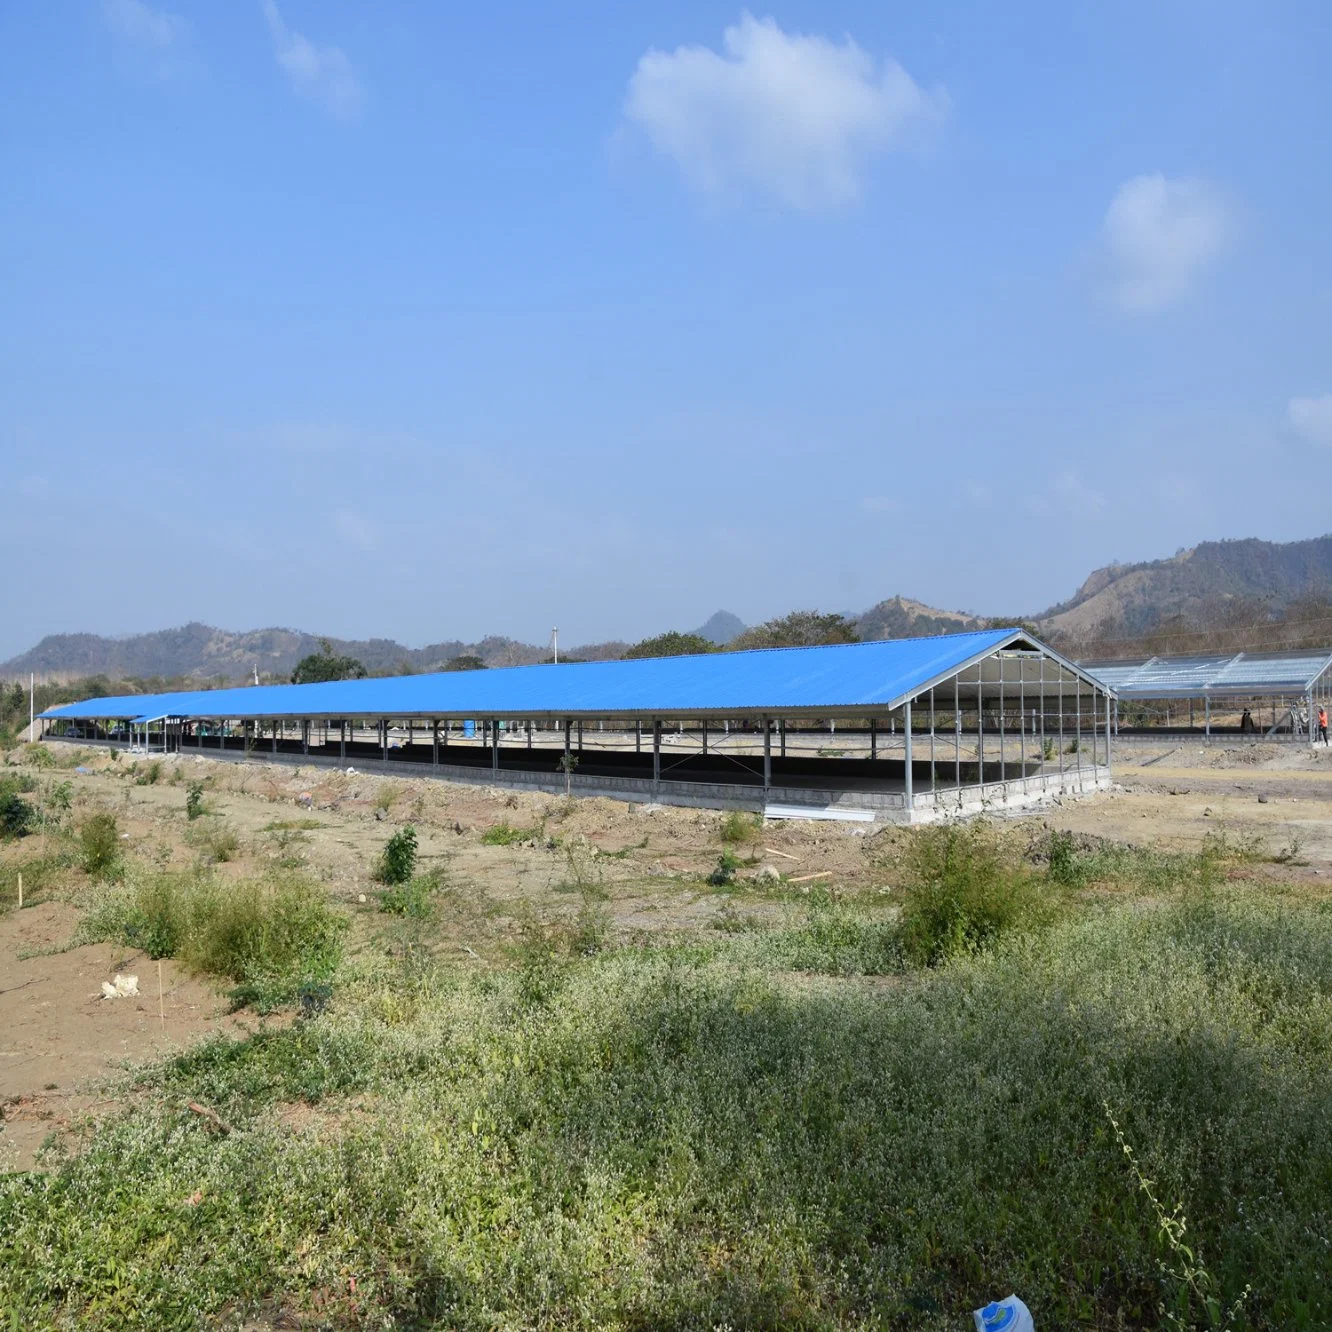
<point>1215,583</point>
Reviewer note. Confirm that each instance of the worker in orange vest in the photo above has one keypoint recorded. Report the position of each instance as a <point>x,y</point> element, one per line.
<point>1322,723</point>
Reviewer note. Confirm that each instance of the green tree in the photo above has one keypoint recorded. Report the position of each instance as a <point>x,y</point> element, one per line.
<point>464,664</point>
<point>805,628</point>
<point>670,644</point>
<point>326,665</point>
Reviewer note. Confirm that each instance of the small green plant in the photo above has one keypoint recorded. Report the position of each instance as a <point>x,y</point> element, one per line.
<point>739,827</point>
<point>724,873</point>
<point>99,840</point>
<point>194,802</point>
<point>1072,746</point>
<point>567,764</point>
<point>385,797</point>
<point>151,774</point>
<point>39,756</point>
<point>397,864</point>
<point>59,799</point>
<point>1193,1285</point>
<point>1049,749</point>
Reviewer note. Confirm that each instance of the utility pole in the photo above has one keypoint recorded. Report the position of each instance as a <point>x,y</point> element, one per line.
<point>32,703</point>
<point>555,643</point>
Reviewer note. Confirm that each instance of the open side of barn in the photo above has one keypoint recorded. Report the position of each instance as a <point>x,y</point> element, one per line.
<point>900,731</point>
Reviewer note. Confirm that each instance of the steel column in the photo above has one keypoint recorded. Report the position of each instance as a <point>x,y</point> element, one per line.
<point>906,738</point>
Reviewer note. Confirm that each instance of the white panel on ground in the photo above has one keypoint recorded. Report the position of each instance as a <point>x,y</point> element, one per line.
<point>844,814</point>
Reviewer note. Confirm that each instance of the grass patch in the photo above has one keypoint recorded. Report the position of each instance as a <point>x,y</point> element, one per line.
<point>292,825</point>
<point>671,1138</point>
<point>215,842</point>
<point>385,796</point>
<point>836,939</point>
<point>504,834</point>
<point>738,828</point>
<point>415,898</point>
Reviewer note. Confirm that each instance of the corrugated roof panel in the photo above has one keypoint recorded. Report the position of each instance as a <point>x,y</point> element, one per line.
<point>776,680</point>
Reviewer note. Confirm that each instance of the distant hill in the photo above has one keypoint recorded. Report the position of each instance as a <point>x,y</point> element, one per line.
<point>1219,594</point>
<point>721,628</point>
<point>900,617</point>
<point>203,652</point>
<point>1194,588</point>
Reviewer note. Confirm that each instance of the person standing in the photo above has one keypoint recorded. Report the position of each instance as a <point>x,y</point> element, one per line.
<point>1322,722</point>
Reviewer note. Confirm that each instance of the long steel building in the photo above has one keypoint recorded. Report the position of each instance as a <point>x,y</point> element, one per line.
<point>901,730</point>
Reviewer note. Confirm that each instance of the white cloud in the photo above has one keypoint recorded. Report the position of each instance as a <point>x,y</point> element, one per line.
<point>1311,418</point>
<point>355,529</point>
<point>322,73</point>
<point>1160,235</point>
<point>791,116</point>
<point>1067,494</point>
<point>140,23</point>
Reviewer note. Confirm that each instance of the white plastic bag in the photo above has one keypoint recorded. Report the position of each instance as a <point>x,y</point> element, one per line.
<point>123,987</point>
<point>1009,1315</point>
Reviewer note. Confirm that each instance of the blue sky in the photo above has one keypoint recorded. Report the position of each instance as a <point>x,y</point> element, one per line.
<point>431,321</point>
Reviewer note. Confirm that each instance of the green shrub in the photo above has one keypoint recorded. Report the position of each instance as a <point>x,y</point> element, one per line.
<point>739,827</point>
<point>964,892</point>
<point>151,774</point>
<point>1066,866</point>
<point>99,839</point>
<point>397,864</point>
<point>194,803</point>
<point>23,782</point>
<point>39,756</point>
<point>16,815</point>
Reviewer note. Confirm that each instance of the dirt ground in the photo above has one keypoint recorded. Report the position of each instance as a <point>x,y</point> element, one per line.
<point>645,869</point>
<point>58,1034</point>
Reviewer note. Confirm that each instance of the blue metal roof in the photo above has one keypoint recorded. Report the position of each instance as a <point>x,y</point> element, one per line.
<point>777,680</point>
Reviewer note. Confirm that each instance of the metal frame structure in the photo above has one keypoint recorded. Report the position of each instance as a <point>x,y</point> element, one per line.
<point>1019,721</point>
<point>1287,686</point>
